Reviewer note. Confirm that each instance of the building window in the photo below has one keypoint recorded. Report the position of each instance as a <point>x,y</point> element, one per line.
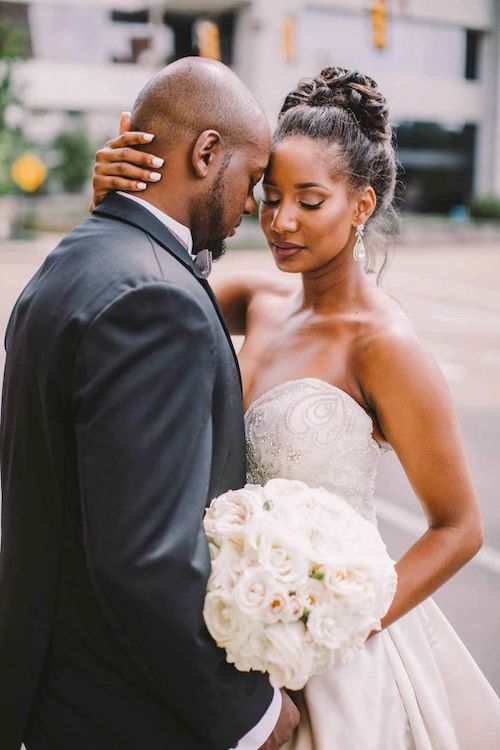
<point>437,165</point>
<point>472,53</point>
<point>137,16</point>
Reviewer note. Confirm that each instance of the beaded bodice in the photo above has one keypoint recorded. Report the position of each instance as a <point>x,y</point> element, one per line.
<point>312,431</point>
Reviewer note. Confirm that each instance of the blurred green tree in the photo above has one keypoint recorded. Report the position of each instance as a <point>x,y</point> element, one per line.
<point>74,157</point>
<point>12,48</point>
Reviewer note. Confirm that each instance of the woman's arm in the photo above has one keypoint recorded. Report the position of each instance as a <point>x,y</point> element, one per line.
<point>234,294</point>
<point>407,391</point>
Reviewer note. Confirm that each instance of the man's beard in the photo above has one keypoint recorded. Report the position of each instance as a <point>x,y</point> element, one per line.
<point>209,216</point>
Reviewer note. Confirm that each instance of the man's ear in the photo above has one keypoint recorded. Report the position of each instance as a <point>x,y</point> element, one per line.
<point>206,151</point>
<point>125,122</point>
<point>365,206</point>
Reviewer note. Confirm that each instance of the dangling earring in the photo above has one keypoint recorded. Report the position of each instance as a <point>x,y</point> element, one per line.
<point>359,252</point>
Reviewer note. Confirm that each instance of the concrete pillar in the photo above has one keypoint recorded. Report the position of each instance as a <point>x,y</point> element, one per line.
<point>487,174</point>
<point>260,59</point>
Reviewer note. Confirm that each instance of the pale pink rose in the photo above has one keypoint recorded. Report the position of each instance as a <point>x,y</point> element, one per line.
<point>258,594</point>
<point>226,568</point>
<point>227,515</point>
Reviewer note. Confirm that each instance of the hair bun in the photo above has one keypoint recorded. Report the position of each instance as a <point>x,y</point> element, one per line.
<point>349,90</point>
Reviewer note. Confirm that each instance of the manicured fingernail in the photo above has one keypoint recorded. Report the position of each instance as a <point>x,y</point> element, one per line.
<point>148,137</point>
<point>154,176</point>
<point>141,185</point>
<point>157,162</point>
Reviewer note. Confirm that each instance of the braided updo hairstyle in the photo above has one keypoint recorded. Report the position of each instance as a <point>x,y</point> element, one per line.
<point>344,108</point>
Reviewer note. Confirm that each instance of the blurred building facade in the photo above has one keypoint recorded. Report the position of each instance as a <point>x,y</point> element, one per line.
<point>437,62</point>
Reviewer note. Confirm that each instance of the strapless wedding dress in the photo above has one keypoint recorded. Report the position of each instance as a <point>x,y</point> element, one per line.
<point>414,685</point>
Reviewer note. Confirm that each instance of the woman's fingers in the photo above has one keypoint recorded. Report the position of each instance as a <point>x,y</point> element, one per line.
<point>111,154</point>
<point>120,167</point>
<point>130,138</point>
<point>129,171</point>
<point>103,185</point>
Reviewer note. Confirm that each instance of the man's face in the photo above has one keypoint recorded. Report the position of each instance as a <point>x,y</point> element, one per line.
<point>219,211</point>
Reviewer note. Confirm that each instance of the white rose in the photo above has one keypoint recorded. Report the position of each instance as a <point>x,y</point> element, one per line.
<point>312,594</point>
<point>224,621</point>
<point>276,551</point>
<point>254,589</point>
<point>260,596</point>
<point>249,653</point>
<point>326,626</point>
<point>289,657</point>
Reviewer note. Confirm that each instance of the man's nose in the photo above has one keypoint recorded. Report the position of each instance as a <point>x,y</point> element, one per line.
<point>250,206</point>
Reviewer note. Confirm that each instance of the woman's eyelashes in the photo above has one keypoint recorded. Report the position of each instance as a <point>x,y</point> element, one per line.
<point>303,204</point>
<point>312,206</point>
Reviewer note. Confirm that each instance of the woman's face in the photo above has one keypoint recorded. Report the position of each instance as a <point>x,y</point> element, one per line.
<point>306,214</point>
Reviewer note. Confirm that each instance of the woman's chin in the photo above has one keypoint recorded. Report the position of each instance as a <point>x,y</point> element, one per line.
<point>291,264</point>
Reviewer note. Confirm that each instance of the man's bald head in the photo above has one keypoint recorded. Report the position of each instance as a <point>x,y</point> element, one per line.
<point>195,94</point>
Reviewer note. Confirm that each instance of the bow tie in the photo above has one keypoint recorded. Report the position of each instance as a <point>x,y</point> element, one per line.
<point>203,262</point>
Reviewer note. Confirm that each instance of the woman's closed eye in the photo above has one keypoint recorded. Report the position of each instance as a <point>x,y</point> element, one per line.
<point>304,204</point>
<point>271,201</point>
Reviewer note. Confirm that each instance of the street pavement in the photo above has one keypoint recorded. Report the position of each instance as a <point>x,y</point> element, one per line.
<point>452,294</point>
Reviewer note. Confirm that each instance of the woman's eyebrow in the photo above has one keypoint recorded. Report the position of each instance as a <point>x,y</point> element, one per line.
<point>303,185</point>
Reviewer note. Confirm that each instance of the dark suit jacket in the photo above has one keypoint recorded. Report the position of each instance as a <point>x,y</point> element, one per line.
<point>121,419</point>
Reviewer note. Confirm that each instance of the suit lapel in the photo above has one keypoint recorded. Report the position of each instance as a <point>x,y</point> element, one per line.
<point>130,212</point>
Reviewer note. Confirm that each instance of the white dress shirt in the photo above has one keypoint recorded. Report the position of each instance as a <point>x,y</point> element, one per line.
<point>261,731</point>
<point>180,231</point>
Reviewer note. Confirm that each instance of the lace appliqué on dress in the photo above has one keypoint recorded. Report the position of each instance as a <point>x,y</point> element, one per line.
<point>312,431</point>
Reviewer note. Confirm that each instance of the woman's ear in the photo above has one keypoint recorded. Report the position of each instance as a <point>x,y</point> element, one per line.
<point>206,152</point>
<point>365,206</point>
<point>125,122</point>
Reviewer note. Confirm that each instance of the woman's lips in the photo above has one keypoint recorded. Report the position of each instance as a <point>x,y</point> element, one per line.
<point>286,249</point>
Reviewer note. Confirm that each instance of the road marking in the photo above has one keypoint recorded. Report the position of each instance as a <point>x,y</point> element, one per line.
<point>487,557</point>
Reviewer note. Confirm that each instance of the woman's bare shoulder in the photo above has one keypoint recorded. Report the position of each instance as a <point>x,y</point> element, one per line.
<point>390,354</point>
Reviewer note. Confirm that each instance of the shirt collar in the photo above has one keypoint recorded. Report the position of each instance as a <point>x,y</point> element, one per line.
<point>180,231</point>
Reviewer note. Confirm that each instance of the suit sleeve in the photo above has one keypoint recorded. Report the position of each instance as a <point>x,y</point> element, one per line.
<point>142,393</point>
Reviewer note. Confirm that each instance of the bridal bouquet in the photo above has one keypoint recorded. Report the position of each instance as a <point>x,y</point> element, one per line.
<point>299,579</point>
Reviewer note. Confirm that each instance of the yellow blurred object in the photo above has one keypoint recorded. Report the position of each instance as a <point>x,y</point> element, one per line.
<point>208,39</point>
<point>288,33</point>
<point>380,15</point>
<point>28,172</point>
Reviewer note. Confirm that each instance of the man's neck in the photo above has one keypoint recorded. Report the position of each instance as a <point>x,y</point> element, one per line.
<point>178,229</point>
<point>177,207</point>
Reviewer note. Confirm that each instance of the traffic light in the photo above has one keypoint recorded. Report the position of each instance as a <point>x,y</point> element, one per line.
<point>208,37</point>
<point>379,14</point>
<point>288,36</point>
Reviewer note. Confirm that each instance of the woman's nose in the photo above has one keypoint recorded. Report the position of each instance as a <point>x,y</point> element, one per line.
<point>283,221</point>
